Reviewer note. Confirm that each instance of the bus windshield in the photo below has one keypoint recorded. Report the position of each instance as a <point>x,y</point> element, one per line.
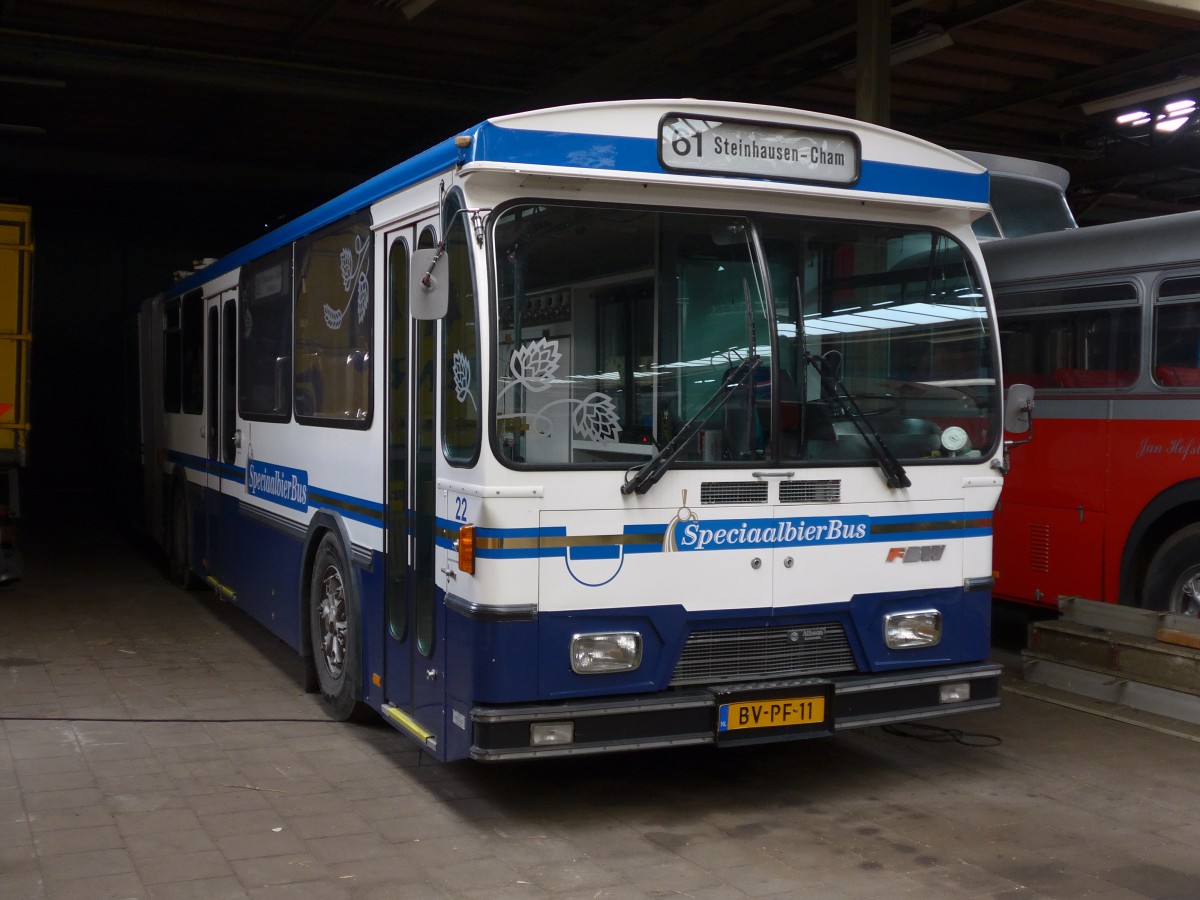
<point>616,328</point>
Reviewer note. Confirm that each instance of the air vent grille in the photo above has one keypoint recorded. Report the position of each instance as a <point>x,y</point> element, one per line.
<point>737,654</point>
<point>1039,548</point>
<point>823,491</point>
<point>733,492</point>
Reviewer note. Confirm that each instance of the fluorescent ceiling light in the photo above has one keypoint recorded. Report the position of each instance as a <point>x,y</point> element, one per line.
<point>1170,125</point>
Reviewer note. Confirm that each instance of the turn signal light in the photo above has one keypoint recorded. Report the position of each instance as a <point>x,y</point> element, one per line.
<point>466,549</point>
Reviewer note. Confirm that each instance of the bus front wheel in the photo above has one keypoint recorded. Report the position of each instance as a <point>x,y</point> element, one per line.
<point>1173,579</point>
<point>336,631</point>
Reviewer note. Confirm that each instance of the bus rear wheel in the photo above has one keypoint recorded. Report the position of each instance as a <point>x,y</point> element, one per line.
<point>180,539</point>
<point>336,631</point>
<point>1173,579</point>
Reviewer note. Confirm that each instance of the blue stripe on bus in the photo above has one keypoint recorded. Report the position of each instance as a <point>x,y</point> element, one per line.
<point>355,508</point>
<point>369,512</point>
<point>897,178</point>
<point>929,527</point>
<point>655,531</point>
<point>594,551</point>
<point>526,543</point>
<point>634,154</point>
<point>552,543</point>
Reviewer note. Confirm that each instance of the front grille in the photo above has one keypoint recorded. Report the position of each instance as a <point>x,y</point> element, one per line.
<point>815,491</point>
<point>733,492</point>
<point>751,654</point>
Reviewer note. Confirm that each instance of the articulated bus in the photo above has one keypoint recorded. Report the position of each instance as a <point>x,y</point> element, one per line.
<point>1104,504</point>
<point>604,427</point>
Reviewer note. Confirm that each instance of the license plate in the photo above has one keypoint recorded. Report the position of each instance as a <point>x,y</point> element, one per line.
<point>778,712</point>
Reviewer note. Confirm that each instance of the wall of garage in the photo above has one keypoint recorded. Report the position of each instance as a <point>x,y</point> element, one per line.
<point>99,252</point>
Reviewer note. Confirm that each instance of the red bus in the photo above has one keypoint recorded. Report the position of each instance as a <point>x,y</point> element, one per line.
<point>1104,502</point>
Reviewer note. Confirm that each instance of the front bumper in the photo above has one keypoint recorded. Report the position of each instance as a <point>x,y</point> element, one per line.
<point>684,717</point>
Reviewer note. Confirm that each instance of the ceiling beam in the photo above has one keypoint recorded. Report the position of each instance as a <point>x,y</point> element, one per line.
<point>50,57</point>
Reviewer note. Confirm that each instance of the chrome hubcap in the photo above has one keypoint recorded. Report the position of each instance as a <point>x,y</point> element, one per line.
<point>1186,600</point>
<point>331,614</point>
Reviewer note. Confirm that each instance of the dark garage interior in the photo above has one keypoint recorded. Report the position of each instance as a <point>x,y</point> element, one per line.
<point>147,135</point>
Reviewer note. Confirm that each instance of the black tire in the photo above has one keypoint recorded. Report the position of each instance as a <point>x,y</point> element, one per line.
<point>178,541</point>
<point>336,629</point>
<point>1173,579</point>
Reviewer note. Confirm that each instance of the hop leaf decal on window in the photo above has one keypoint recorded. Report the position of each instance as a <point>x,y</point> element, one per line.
<point>462,377</point>
<point>364,295</point>
<point>333,317</point>
<point>595,417</point>
<point>533,367</point>
<point>352,264</point>
<point>534,364</point>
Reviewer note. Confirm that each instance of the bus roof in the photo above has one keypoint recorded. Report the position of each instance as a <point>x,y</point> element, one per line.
<point>1018,167</point>
<point>620,139</point>
<point>1119,246</point>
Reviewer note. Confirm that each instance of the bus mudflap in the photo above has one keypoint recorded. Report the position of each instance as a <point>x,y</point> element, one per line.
<point>731,714</point>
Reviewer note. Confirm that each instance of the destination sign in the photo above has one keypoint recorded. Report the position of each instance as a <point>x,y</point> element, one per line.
<point>728,147</point>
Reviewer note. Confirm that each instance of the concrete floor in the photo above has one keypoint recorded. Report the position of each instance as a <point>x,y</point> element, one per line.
<point>155,744</point>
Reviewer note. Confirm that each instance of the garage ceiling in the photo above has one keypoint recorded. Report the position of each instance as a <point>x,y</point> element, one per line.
<point>303,98</point>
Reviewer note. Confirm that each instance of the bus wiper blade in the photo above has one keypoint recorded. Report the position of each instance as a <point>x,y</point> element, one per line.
<point>893,471</point>
<point>640,480</point>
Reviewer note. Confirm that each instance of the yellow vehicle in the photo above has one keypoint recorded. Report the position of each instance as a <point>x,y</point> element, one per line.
<point>16,283</point>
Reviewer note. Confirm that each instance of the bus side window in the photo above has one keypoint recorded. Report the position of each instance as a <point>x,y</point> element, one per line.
<point>1109,351</point>
<point>1177,344</point>
<point>265,338</point>
<point>1028,349</point>
<point>183,354</point>
<point>461,423</point>
<point>1076,349</point>
<point>172,368</point>
<point>192,361</point>
<point>334,325</point>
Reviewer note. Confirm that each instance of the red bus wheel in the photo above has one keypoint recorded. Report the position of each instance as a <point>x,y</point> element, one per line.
<point>1173,579</point>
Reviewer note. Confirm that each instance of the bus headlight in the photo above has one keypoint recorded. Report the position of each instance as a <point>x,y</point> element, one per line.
<point>906,630</point>
<point>615,651</point>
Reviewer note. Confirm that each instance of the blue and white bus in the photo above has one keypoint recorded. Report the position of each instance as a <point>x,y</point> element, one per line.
<point>604,427</point>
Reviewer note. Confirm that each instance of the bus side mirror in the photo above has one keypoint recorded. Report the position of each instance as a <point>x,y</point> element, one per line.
<point>428,287</point>
<point>1018,409</point>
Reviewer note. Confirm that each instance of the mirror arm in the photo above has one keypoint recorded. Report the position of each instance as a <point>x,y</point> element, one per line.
<point>427,278</point>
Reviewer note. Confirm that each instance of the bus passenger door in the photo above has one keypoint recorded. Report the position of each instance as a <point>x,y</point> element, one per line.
<point>220,430</point>
<point>414,691</point>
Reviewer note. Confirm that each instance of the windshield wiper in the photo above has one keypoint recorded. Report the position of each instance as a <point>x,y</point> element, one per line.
<point>893,471</point>
<point>640,480</point>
